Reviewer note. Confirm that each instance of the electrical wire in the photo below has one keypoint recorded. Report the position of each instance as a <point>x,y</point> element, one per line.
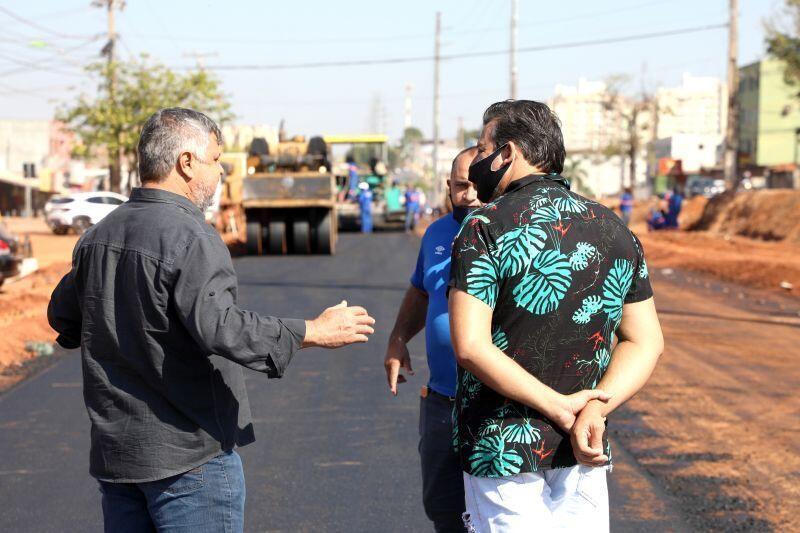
<point>39,27</point>
<point>446,57</point>
<point>479,11</point>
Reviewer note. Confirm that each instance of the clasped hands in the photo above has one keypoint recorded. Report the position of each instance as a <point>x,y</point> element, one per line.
<point>579,414</point>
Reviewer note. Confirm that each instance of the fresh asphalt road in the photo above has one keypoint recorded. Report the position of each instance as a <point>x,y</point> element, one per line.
<point>334,450</point>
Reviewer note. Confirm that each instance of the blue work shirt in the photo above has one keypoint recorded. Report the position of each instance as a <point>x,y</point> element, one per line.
<point>365,201</point>
<point>431,276</point>
<point>412,201</point>
<point>626,203</point>
<point>352,172</point>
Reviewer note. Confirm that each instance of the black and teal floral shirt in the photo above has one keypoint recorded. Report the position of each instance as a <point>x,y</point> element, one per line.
<point>556,269</point>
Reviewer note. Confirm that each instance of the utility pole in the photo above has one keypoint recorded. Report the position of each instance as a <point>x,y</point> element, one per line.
<point>407,119</point>
<point>731,134</point>
<point>513,48</point>
<point>114,155</point>
<point>437,185</point>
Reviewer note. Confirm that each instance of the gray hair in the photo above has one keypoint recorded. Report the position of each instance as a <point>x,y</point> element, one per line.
<point>168,133</point>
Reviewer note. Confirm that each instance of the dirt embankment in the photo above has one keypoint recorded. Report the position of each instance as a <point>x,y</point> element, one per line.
<point>752,238</point>
<point>772,215</point>
<point>23,304</point>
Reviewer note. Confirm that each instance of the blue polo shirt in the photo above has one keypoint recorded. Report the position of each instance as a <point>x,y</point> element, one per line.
<point>431,276</point>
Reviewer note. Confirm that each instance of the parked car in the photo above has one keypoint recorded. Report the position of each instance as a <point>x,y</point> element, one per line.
<point>10,258</point>
<point>80,211</point>
<point>704,186</point>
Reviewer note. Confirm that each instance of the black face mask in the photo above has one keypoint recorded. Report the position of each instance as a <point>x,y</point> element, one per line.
<point>460,213</point>
<point>485,179</point>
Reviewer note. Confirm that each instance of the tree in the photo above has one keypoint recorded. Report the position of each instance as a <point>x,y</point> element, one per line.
<point>412,135</point>
<point>783,40</point>
<point>576,174</point>
<point>631,114</point>
<point>143,87</point>
<point>471,136</point>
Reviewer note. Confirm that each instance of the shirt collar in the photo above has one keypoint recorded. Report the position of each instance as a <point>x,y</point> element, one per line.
<point>147,194</point>
<point>537,178</point>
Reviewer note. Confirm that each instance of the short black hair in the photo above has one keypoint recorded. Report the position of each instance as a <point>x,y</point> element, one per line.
<point>533,127</point>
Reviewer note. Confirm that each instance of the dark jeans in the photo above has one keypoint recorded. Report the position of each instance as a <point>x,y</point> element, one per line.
<point>209,498</point>
<point>411,220</point>
<point>442,478</point>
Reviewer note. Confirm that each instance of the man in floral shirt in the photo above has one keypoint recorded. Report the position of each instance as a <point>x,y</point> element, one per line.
<point>542,281</point>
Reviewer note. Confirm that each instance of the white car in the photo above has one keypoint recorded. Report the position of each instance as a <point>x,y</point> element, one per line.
<point>80,210</point>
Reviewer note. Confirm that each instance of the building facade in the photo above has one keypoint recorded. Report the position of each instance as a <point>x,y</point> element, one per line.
<point>698,106</point>
<point>769,116</point>
<point>690,124</point>
<point>586,122</point>
<point>591,128</point>
<point>697,153</point>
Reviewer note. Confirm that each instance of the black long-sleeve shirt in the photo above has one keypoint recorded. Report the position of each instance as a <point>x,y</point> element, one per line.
<point>151,302</point>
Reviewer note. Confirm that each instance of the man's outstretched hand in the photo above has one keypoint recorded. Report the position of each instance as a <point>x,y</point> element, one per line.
<point>339,326</point>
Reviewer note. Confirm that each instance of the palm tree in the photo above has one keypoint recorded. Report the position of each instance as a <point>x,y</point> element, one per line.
<point>576,174</point>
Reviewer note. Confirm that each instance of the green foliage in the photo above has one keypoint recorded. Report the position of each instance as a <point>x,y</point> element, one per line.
<point>412,135</point>
<point>471,136</point>
<point>112,122</point>
<point>783,40</point>
<point>576,174</point>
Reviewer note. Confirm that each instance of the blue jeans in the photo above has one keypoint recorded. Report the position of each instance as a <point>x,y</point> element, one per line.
<point>209,498</point>
<point>366,221</point>
<point>411,220</point>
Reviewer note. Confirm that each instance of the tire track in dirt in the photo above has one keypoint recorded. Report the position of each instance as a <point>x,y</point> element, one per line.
<point>717,424</point>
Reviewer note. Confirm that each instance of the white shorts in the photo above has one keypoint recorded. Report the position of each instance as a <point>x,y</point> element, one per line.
<point>562,499</point>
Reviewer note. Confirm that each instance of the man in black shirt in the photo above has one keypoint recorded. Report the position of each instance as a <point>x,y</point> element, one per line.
<point>151,302</point>
<point>542,280</point>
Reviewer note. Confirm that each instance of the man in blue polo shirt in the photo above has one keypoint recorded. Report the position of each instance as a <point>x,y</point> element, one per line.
<point>425,305</point>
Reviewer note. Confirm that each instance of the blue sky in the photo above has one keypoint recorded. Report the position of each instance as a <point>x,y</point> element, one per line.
<point>341,99</point>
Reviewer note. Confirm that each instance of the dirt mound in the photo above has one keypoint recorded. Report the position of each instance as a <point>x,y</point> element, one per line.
<point>768,215</point>
<point>692,211</point>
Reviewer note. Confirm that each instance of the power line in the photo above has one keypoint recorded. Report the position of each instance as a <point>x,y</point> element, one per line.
<point>45,64</point>
<point>481,14</point>
<point>444,57</point>
<point>36,66</point>
<point>39,27</point>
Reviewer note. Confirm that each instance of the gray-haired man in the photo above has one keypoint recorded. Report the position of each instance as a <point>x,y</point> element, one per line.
<point>151,302</point>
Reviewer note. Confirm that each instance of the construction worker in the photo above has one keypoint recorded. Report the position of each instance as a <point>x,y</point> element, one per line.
<point>412,207</point>
<point>352,178</point>
<point>365,204</point>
